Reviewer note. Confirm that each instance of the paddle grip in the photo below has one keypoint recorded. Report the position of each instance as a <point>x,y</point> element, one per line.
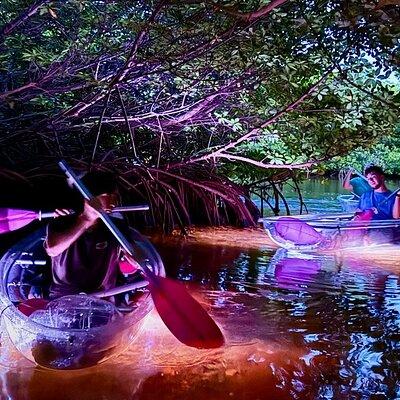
<point>120,289</point>
<point>45,215</point>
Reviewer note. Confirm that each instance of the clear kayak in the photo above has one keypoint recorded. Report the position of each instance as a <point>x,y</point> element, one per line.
<point>328,231</point>
<point>75,331</point>
<point>348,202</point>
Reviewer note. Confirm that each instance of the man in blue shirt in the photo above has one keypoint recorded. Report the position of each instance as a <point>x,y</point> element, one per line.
<point>379,203</point>
<point>383,203</point>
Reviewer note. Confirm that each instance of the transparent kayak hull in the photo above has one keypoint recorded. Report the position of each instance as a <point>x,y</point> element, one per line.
<point>57,348</point>
<point>348,203</point>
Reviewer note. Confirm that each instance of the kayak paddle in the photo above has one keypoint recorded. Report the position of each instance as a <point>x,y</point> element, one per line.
<point>359,174</point>
<point>182,314</point>
<point>12,219</point>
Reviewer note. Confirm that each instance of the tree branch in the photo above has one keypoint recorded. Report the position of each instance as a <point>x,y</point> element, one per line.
<point>248,16</point>
<point>15,23</point>
<point>253,132</point>
<point>266,166</point>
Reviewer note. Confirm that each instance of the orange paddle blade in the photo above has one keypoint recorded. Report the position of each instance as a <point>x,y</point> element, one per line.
<point>183,315</point>
<point>13,219</point>
<point>31,305</point>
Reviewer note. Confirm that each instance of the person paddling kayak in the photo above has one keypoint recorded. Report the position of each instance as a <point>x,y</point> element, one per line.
<point>85,255</point>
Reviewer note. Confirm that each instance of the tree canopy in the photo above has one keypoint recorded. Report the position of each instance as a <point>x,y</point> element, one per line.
<point>177,96</point>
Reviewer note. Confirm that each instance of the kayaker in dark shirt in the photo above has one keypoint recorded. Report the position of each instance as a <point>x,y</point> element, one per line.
<point>84,253</point>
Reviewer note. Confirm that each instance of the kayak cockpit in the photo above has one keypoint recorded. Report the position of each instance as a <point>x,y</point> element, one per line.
<point>56,339</point>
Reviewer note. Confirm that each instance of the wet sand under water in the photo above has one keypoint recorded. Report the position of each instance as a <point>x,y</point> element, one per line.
<point>296,327</point>
<point>158,366</point>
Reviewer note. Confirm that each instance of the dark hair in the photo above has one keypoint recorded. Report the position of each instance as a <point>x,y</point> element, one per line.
<point>374,168</point>
<point>99,182</point>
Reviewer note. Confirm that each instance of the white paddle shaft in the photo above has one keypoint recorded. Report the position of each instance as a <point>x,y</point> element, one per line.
<point>143,207</point>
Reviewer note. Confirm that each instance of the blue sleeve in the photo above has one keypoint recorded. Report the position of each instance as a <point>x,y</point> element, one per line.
<point>359,185</point>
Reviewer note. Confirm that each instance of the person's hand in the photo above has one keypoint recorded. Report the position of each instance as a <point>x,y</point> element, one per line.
<point>62,212</point>
<point>91,210</point>
<point>103,203</point>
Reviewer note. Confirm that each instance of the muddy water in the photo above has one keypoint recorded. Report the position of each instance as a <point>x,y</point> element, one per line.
<point>297,326</point>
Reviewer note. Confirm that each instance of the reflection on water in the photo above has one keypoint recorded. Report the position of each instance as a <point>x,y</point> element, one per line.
<point>297,325</point>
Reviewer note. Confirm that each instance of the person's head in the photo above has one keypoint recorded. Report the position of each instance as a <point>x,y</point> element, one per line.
<point>375,176</point>
<point>103,185</point>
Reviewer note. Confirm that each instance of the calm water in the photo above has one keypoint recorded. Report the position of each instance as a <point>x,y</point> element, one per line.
<point>297,326</point>
<point>319,195</point>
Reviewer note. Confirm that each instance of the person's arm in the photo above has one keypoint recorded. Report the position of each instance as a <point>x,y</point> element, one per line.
<point>59,240</point>
<point>346,182</point>
<point>396,206</point>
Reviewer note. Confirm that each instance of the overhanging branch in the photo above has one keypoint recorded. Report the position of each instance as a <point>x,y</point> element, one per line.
<point>255,131</point>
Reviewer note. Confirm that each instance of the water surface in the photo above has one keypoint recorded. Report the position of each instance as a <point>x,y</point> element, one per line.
<point>319,195</point>
<point>297,326</point>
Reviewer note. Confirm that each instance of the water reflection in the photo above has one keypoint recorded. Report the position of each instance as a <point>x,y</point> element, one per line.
<point>343,310</point>
<point>297,326</point>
